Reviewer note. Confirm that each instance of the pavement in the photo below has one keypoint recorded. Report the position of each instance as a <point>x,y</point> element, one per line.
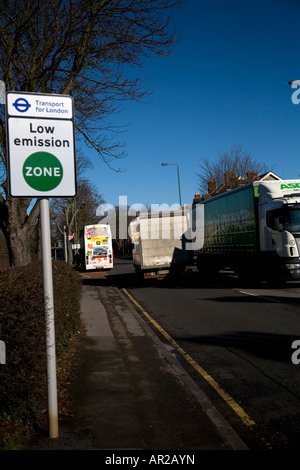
<point>131,393</point>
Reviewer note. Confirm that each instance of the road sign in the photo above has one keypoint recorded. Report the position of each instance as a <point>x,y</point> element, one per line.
<point>41,145</point>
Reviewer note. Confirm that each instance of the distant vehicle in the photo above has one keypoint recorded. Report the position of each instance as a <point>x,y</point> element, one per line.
<point>96,247</point>
<point>253,230</point>
<point>158,244</point>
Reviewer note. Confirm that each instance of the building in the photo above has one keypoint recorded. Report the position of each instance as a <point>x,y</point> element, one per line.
<point>232,182</point>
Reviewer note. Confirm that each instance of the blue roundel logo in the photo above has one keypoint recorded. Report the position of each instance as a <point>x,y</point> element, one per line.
<point>21,105</point>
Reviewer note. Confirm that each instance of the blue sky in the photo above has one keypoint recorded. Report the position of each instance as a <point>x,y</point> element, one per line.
<point>225,84</point>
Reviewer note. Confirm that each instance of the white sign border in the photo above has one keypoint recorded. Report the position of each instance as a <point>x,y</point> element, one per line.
<point>32,193</point>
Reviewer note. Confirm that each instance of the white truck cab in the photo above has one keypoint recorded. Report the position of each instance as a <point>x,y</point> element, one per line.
<point>279,219</point>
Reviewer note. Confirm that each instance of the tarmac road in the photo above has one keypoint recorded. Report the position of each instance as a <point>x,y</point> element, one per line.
<point>131,394</point>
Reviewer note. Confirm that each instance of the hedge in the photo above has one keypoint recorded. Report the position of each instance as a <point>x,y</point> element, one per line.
<point>23,379</point>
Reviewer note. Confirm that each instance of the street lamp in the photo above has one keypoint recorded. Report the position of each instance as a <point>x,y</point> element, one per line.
<point>165,164</point>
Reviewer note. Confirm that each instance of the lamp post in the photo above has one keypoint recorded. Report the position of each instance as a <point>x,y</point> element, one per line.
<point>165,164</point>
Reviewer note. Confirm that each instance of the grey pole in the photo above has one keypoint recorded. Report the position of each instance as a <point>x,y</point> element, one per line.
<point>49,318</point>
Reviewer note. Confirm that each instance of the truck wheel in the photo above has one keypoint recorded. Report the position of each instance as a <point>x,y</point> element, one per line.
<point>248,277</point>
<point>276,280</point>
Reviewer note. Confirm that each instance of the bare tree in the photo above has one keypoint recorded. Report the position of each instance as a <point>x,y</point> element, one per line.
<point>71,214</point>
<point>84,48</point>
<point>237,163</point>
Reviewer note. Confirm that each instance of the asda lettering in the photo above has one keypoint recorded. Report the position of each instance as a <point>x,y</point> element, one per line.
<point>290,186</point>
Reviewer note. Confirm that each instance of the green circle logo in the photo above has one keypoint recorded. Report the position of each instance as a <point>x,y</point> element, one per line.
<point>42,171</point>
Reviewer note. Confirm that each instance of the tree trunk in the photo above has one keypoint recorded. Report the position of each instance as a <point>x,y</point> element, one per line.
<point>18,227</point>
<point>70,253</point>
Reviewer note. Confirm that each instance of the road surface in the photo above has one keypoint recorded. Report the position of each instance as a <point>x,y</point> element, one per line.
<point>236,342</point>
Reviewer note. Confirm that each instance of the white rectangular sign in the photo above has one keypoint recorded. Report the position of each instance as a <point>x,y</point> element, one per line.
<point>41,145</point>
<point>39,106</point>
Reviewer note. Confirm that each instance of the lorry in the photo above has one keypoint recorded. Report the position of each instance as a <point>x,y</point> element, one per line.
<point>253,230</point>
<point>158,244</point>
<point>96,250</point>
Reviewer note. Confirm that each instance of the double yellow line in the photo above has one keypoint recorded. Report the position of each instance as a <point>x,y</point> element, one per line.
<point>228,399</point>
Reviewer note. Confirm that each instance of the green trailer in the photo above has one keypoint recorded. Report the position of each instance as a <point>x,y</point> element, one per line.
<point>248,230</point>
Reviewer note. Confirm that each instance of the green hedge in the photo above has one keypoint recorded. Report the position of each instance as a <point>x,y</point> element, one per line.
<point>23,379</point>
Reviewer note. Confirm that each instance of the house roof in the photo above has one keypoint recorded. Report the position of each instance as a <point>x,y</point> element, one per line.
<point>269,176</point>
<point>252,176</point>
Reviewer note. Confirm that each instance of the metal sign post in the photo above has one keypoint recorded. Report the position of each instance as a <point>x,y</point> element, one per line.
<point>49,318</point>
<point>41,164</point>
